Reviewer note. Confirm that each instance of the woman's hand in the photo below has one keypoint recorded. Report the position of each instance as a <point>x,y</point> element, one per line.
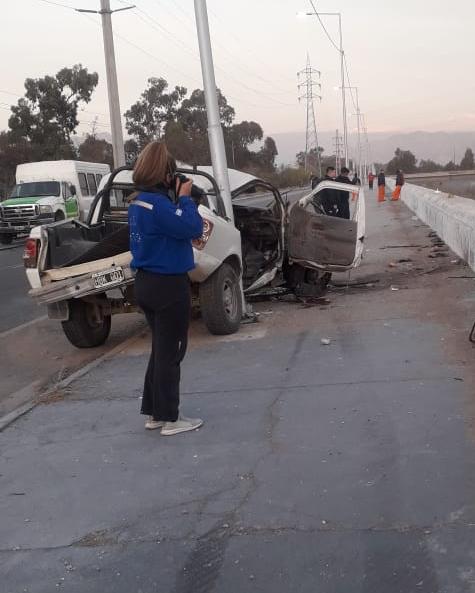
<point>184,189</point>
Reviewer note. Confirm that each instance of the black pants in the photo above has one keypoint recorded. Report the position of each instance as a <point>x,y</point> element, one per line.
<point>165,300</point>
<point>344,206</point>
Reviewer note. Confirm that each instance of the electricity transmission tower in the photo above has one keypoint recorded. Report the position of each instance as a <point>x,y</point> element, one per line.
<point>338,146</point>
<point>310,80</point>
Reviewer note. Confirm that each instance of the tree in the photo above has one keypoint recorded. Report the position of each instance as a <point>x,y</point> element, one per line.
<point>450,166</point>
<point>266,155</point>
<point>47,116</point>
<point>404,160</point>
<point>146,119</point>
<point>132,150</point>
<point>193,119</point>
<point>429,166</point>
<point>467,163</point>
<point>179,143</point>
<point>312,158</point>
<point>96,150</point>
<point>11,155</point>
<point>237,139</point>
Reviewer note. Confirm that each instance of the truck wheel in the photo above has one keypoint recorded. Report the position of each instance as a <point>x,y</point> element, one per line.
<point>82,328</point>
<point>59,216</point>
<point>6,239</point>
<point>220,301</point>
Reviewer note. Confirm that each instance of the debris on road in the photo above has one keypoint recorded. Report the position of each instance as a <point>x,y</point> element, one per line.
<point>325,341</point>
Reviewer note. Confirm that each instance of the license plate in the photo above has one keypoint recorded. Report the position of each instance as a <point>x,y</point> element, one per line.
<point>108,278</point>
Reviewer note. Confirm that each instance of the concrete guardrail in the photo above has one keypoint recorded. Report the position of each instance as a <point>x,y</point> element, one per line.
<point>452,217</point>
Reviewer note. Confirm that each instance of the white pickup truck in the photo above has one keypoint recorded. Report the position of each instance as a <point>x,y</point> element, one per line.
<point>82,272</point>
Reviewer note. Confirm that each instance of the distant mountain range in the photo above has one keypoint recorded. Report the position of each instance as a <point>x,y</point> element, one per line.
<point>438,146</point>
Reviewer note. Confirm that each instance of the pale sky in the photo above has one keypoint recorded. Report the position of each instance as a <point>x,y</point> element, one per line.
<point>411,59</point>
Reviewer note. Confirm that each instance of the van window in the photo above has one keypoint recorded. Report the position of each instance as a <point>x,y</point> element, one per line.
<point>83,184</point>
<point>91,180</point>
<point>66,191</point>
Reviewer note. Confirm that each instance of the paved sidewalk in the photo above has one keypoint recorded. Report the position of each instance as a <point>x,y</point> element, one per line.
<point>341,468</point>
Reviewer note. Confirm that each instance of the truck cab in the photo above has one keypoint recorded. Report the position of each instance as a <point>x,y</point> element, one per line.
<point>47,192</point>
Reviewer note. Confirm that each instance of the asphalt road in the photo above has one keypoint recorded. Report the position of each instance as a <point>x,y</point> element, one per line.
<point>340,467</point>
<point>16,305</point>
<point>35,352</point>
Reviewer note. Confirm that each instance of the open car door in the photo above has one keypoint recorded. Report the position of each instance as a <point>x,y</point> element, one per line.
<point>325,242</point>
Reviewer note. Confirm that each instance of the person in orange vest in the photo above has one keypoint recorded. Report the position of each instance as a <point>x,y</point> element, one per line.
<point>399,183</point>
<point>371,177</point>
<point>381,186</point>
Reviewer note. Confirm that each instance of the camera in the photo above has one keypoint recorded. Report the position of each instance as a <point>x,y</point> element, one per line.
<point>197,193</point>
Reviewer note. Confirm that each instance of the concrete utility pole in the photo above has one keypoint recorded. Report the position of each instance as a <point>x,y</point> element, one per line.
<point>215,131</point>
<point>311,136</point>
<point>337,143</point>
<point>112,85</point>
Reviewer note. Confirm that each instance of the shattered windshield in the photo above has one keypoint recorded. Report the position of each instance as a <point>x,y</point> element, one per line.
<point>36,189</point>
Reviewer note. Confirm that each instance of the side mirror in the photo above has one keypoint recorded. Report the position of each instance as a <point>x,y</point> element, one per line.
<point>72,189</point>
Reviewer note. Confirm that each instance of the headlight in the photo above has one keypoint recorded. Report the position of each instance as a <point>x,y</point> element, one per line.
<point>46,209</point>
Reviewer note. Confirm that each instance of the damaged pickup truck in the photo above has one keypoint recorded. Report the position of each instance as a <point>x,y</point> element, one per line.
<point>81,270</point>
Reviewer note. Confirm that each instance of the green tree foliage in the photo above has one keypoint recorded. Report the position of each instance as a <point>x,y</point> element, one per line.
<point>131,149</point>
<point>46,116</point>
<point>467,163</point>
<point>429,166</point>
<point>11,154</point>
<point>238,139</point>
<point>182,121</point>
<point>146,119</point>
<point>266,155</point>
<point>404,160</point>
<point>450,166</point>
<point>96,150</point>
<point>312,159</point>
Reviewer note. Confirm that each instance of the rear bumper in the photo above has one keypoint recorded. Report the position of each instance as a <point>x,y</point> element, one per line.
<point>74,288</point>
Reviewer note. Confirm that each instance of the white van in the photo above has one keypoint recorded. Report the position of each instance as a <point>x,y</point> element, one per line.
<point>49,191</point>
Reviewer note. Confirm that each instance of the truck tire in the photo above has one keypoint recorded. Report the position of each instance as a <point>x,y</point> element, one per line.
<point>6,239</point>
<point>221,302</point>
<point>59,216</point>
<point>82,329</point>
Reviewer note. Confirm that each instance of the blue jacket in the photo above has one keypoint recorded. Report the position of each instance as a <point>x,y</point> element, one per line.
<point>161,233</point>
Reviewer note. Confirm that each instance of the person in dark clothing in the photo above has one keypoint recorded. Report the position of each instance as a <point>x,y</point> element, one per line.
<point>371,177</point>
<point>328,198</point>
<point>161,230</point>
<point>356,180</point>
<point>399,183</point>
<point>315,180</point>
<point>381,186</point>
<point>344,196</point>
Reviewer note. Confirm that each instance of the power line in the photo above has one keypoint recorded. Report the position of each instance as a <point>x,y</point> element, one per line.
<point>195,55</point>
<point>56,4</point>
<point>324,28</point>
<point>349,83</point>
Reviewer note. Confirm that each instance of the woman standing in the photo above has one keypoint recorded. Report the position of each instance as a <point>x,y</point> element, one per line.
<point>163,220</point>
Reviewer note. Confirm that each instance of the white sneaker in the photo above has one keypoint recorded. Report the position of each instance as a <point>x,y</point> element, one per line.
<point>152,424</point>
<point>181,425</point>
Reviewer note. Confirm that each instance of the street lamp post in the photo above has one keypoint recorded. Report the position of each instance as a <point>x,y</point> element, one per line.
<point>358,123</point>
<point>342,73</point>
